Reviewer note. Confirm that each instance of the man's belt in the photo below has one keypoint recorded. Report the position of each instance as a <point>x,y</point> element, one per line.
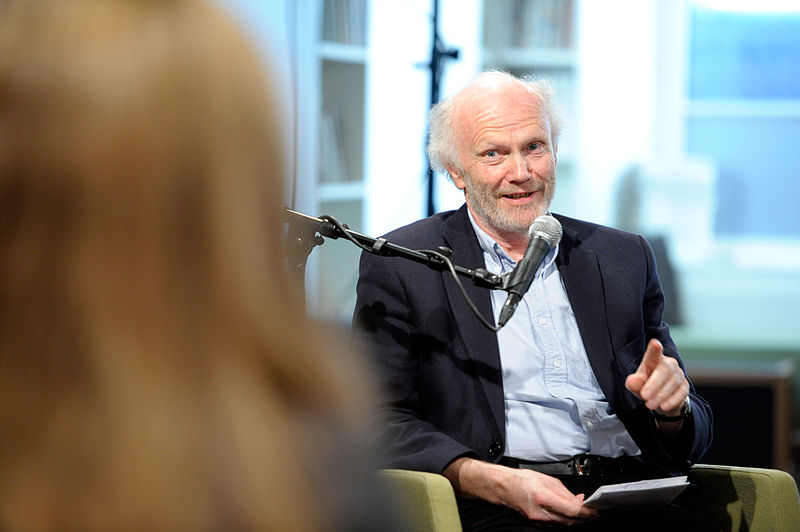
<point>585,465</point>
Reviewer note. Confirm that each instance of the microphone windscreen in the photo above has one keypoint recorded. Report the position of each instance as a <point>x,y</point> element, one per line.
<point>548,228</point>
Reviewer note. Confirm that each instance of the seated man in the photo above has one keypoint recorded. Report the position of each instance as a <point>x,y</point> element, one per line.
<point>582,387</point>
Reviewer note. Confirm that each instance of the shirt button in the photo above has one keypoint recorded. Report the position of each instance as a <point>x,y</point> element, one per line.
<point>542,321</point>
<point>557,363</point>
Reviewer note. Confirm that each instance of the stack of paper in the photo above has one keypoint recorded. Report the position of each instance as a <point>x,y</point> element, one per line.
<point>656,491</point>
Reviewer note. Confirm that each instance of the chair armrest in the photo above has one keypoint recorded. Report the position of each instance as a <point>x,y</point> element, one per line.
<point>426,500</point>
<point>737,498</point>
<point>748,498</point>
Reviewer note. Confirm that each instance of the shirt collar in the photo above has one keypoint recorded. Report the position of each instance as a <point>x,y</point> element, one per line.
<point>498,255</point>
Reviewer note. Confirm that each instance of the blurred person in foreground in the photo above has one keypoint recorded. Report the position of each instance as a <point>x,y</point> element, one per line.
<point>156,369</point>
<point>582,387</point>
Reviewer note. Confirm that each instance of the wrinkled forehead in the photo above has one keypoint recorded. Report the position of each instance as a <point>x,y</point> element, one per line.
<point>497,106</point>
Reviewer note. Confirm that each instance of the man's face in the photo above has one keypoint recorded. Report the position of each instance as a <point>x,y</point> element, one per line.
<point>507,158</point>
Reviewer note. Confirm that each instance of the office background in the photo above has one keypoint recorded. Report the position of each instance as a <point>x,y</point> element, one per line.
<point>683,119</point>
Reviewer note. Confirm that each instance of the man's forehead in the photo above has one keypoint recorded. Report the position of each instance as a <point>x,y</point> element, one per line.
<point>494,88</point>
<point>499,109</point>
<point>491,99</point>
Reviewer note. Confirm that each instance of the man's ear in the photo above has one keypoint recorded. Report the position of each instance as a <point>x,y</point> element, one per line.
<point>456,176</point>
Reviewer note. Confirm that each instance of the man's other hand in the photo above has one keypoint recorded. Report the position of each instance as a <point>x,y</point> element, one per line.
<point>537,496</point>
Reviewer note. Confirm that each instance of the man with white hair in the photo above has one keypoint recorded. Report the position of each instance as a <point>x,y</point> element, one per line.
<point>582,387</point>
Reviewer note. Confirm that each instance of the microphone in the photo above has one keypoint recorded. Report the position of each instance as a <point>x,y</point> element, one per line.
<point>545,232</point>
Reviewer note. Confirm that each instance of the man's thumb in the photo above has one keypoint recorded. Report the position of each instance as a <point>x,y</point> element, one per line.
<point>635,381</point>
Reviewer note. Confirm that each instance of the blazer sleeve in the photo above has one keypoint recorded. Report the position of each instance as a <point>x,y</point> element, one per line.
<point>392,296</point>
<point>674,456</point>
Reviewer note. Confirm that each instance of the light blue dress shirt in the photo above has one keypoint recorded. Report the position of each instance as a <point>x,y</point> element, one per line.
<point>554,406</point>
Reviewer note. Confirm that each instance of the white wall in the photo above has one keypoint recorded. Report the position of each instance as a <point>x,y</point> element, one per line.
<point>399,98</point>
<point>461,28</point>
<point>615,99</point>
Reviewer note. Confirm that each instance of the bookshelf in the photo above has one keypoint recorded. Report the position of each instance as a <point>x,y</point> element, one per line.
<point>537,38</point>
<point>361,104</point>
<point>529,24</point>
<point>340,58</point>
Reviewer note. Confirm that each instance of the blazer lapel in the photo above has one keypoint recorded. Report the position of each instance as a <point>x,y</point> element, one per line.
<point>583,281</point>
<point>481,342</point>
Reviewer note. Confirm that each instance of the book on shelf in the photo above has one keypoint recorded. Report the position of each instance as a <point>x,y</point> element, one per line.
<point>344,22</point>
<point>332,160</point>
<point>543,24</point>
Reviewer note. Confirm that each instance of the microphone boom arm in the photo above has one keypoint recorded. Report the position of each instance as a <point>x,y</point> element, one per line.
<point>304,227</point>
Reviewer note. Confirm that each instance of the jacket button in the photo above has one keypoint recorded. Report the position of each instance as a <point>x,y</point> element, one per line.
<point>495,449</point>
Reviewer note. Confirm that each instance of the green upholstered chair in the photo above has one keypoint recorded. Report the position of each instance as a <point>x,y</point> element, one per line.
<point>748,498</point>
<point>425,500</point>
<point>738,499</point>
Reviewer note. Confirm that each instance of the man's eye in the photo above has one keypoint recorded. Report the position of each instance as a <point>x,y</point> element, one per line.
<point>490,153</point>
<point>533,146</point>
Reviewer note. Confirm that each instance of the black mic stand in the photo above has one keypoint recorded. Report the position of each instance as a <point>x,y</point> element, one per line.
<point>306,232</point>
<point>439,53</point>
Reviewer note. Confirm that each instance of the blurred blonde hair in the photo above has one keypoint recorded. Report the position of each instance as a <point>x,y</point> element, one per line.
<point>156,369</point>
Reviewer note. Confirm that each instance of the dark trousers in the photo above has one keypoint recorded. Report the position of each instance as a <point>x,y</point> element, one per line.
<point>684,514</point>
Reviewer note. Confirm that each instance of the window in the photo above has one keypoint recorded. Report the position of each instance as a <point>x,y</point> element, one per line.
<point>744,112</point>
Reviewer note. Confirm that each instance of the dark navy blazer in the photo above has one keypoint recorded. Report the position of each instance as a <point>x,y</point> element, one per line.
<point>439,366</point>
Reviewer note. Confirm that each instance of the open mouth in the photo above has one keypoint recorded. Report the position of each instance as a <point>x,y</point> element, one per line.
<point>521,195</point>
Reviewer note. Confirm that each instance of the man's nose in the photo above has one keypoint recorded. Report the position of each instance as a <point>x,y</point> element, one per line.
<point>518,170</point>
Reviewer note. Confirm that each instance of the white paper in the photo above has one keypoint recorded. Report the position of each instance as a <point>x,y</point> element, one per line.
<point>655,491</point>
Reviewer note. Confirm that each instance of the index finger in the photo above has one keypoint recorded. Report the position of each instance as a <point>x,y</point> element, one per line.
<point>652,356</point>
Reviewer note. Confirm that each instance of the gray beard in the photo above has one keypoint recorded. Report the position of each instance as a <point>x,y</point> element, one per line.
<point>500,220</point>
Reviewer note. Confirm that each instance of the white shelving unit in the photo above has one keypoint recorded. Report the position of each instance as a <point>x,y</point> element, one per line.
<point>343,58</point>
<point>332,93</point>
